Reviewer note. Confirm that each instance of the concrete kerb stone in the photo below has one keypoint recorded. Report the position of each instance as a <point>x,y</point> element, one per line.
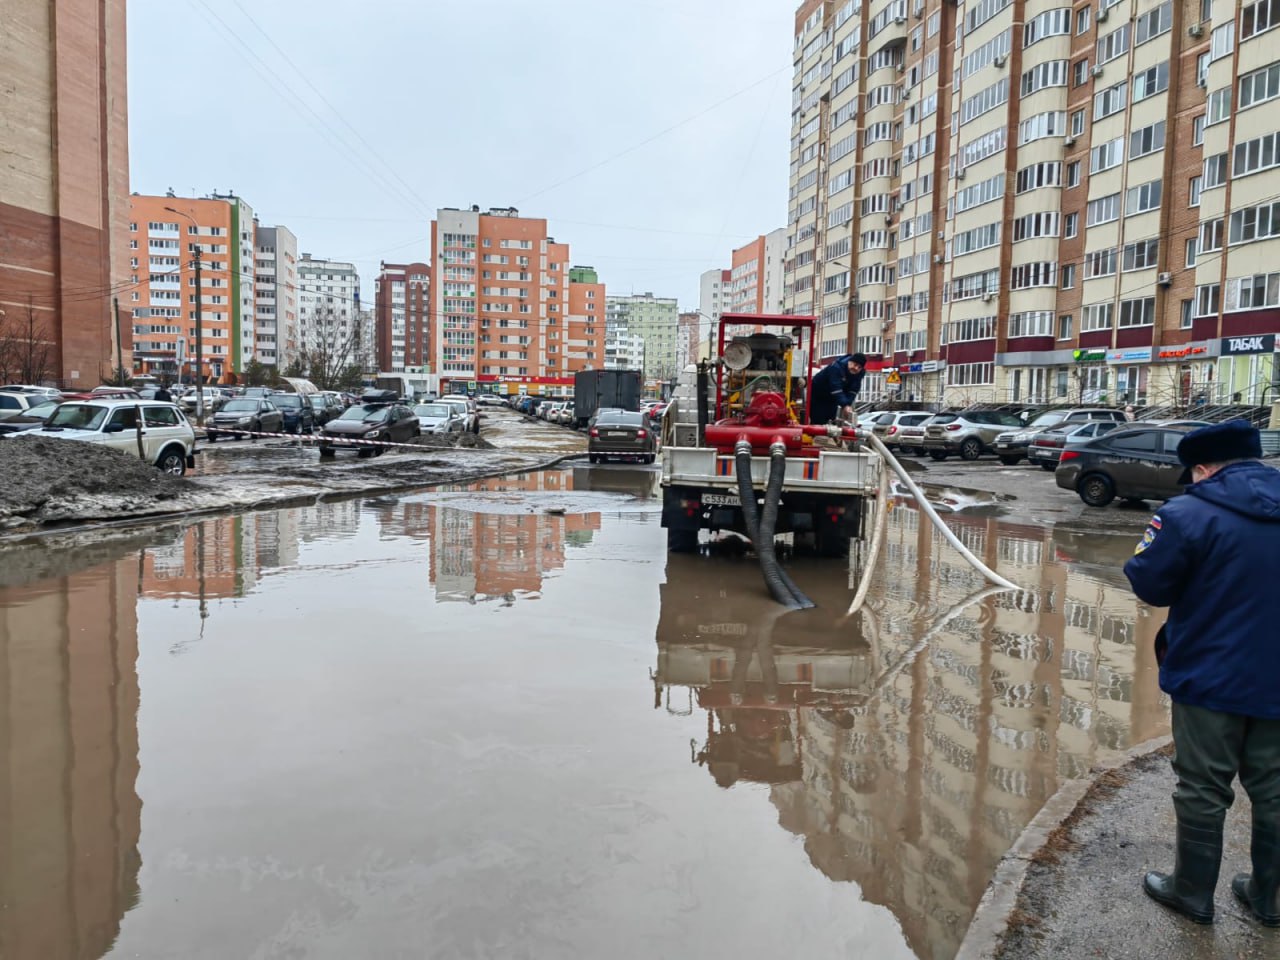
<point>996,908</point>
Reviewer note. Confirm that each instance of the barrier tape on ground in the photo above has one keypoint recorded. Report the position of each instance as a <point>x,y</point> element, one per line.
<point>315,438</point>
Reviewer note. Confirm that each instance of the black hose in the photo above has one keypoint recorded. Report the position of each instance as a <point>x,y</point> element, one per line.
<point>704,412</point>
<point>764,545</point>
<point>769,518</point>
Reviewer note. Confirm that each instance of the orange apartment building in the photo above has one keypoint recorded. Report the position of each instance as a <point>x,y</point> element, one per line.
<point>164,235</point>
<point>503,317</point>
<point>64,184</point>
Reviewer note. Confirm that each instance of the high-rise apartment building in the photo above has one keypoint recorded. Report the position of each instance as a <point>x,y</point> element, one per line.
<point>502,314</point>
<point>329,319</point>
<point>165,234</point>
<point>402,298</point>
<point>64,185</point>
<point>688,336</point>
<point>655,320</point>
<point>1004,201</point>
<point>276,292</point>
<point>756,275</point>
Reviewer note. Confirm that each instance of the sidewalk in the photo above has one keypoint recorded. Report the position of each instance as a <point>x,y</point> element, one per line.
<point>1081,896</point>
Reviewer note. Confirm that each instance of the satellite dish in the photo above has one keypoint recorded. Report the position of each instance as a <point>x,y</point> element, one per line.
<point>737,356</point>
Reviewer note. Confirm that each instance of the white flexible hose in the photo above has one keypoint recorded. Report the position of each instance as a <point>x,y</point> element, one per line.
<point>873,552</point>
<point>932,514</point>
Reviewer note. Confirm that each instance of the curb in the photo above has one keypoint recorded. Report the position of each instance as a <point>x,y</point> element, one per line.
<point>991,919</point>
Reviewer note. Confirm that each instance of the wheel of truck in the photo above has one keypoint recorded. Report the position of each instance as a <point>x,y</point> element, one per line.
<point>172,461</point>
<point>1048,465</point>
<point>971,449</point>
<point>1010,461</point>
<point>1096,490</point>
<point>938,455</point>
<point>682,541</point>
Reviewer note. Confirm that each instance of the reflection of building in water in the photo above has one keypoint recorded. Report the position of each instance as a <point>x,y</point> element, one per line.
<point>916,791</point>
<point>69,814</point>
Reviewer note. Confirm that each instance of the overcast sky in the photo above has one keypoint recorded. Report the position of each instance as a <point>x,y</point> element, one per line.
<point>653,135</point>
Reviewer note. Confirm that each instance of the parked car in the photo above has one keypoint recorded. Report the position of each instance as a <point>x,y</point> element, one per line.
<point>390,422</point>
<point>439,418</point>
<point>254,414</point>
<point>212,400</point>
<point>621,434</point>
<point>168,439</point>
<point>50,393</point>
<point>888,426</point>
<point>543,408</point>
<point>468,409</point>
<point>119,393</point>
<point>326,407</point>
<point>911,437</point>
<point>299,415</point>
<point>1135,464</point>
<point>33,418</point>
<point>491,400</point>
<point>1047,447</point>
<point>12,404</point>
<point>970,433</point>
<point>655,413</point>
<point>1011,447</point>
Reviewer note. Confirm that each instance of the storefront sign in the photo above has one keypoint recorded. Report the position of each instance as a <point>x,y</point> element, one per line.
<point>1185,352</point>
<point>923,366</point>
<point>1089,356</point>
<point>1129,355</point>
<point>1264,343</point>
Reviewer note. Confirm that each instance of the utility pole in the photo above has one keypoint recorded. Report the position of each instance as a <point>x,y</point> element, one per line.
<point>199,343</point>
<point>115,303</point>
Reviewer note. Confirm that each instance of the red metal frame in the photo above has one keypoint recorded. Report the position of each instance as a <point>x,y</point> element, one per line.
<point>766,320</point>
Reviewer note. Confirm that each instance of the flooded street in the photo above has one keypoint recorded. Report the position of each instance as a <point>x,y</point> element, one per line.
<point>498,721</point>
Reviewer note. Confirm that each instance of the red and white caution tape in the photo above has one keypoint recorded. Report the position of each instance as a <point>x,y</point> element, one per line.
<point>316,438</point>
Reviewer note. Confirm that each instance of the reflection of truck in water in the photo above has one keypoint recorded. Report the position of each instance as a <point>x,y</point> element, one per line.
<point>596,389</point>
<point>410,386</point>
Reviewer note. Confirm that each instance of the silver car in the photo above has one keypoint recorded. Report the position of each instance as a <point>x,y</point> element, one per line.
<point>1011,447</point>
<point>888,426</point>
<point>970,433</point>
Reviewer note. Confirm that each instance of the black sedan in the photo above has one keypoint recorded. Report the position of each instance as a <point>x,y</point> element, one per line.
<point>1135,464</point>
<point>621,434</point>
<point>388,422</point>
<point>249,414</point>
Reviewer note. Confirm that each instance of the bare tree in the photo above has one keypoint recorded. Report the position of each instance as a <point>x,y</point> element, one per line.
<point>26,350</point>
<point>331,351</point>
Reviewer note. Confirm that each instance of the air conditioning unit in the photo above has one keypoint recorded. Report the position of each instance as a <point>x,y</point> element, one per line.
<point>1069,141</point>
<point>1000,61</point>
<point>960,174</point>
<point>988,297</point>
<point>1097,70</point>
<point>888,218</point>
<point>1202,80</point>
<point>897,205</point>
<point>1102,14</point>
<point>919,11</point>
<point>1164,279</point>
<point>906,93</point>
<point>1195,30</point>
<point>899,19</point>
<point>902,68</point>
<point>937,258</point>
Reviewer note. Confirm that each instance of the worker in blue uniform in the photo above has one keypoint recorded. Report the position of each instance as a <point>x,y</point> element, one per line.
<point>1210,557</point>
<point>835,387</point>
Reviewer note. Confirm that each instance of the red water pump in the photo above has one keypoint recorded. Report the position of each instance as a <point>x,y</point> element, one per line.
<point>766,421</point>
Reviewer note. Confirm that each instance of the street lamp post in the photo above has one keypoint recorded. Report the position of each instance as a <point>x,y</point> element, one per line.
<point>851,311</point>
<point>199,325</point>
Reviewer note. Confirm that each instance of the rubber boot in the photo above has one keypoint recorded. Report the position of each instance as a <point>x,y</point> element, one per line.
<point>1260,892</point>
<point>1189,889</point>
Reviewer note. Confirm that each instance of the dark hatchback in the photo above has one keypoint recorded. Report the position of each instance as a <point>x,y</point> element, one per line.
<point>1134,464</point>
<point>299,415</point>
<point>622,434</point>
<point>388,422</point>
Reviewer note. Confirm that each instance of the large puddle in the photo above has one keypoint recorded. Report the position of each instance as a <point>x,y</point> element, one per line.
<point>499,722</point>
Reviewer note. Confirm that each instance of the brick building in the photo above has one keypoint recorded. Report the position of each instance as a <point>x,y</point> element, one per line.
<point>1008,202</point>
<point>401,302</point>
<point>64,182</point>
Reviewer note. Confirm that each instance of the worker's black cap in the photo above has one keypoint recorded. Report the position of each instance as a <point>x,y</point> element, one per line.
<point>1233,440</point>
<point>859,358</point>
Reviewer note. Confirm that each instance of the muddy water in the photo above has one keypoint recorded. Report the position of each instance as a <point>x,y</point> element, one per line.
<point>497,722</point>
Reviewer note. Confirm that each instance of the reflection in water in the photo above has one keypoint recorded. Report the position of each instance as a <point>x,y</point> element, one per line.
<point>69,814</point>
<point>910,768</point>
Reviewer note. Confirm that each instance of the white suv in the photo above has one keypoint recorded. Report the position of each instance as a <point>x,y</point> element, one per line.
<point>167,439</point>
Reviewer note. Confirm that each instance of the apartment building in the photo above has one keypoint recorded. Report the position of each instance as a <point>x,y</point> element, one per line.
<point>64,185</point>
<point>401,299</point>
<point>502,315</point>
<point>165,235</point>
<point>756,275</point>
<point>688,337</point>
<point>655,321</point>
<point>276,296</point>
<point>1003,201</point>
<point>329,318</point>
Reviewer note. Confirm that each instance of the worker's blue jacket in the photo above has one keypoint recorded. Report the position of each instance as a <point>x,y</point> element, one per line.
<point>1210,557</point>
<point>835,385</point>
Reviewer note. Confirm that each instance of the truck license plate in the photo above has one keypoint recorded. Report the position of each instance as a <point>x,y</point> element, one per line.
<point>721,500</point>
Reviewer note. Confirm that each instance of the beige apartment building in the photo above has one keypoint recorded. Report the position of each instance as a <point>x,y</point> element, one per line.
<point>1004,200</point>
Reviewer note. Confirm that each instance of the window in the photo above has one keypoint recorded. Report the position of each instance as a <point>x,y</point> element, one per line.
<point>1103,210</point>
<point>1219,105</point>
<point>1100,263</point>
<point>1258,16</point>
<point>1071,225</point>
<point>1077,123</point>
<point>1027,275</point>
<point>1083,20</point>
<point>1138,313</point>
<point>1052,124</point>
<point>1258,154</point>
<point>1143,197</point>
<point>1193,192</point>
<point>1208,299</point>
<point>1147,140</point>
<point>1254,223</point>
<point>1080,69</point>
<point>1096,316</point>
<point>1140,255</point>
<point>980,58</point>
<point>970,374</point>
<point>1253,293</point>
<point>1038,175</point>
<point>970,241</point>
<point>975,328</point>
<point>1111,100</point>
<point>1150,82</point>
<point>1073,174</point>
<point>1215,172</point>
<point>1114,44</point>
<point>1106,156</point>
<point>1038,323</point>
<point>1068,276</point>
<point>1153,23</point>
<point>1064,327</point>
<point>985,101</point>
<point>1186,315</point>
<point>1035,225</point>
<point>1260,86</point>
<point>1136,442</point>
<point>160,416</point>
<point>1052,73</point>
<point>979,193</point>
<point>1191,252</point>
<point>1210,236</point>
<point>1051,23</point>
<point>1197,130</point>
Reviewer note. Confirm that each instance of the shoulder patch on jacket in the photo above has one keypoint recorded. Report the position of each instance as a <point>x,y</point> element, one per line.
<point>1148,538</point>
<point>1156,522</point>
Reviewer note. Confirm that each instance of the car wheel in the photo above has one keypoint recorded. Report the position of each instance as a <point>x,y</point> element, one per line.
<point>1096,489</point>
<point>682,541</point>
<point>1048,465</point>
<point>212,438</point>
<point>938,455</point>
<point>1009,461</point>
<point>920,451</point>
<point>173,462</point>
<point>651,458</point>
<point>971,449</point>
<point>593,458</point>
<point>326,453</point>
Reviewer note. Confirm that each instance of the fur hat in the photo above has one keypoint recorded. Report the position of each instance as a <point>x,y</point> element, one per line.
<point>1233,440</point>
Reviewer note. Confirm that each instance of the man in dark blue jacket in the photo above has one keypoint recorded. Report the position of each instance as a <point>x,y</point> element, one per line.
<point>835,386</point>
<point>1210,557</point>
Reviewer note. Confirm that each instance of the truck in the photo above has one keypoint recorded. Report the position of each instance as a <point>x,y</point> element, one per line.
<point>743,431</point>
<point>597,389</point>
<point>410,386</point>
